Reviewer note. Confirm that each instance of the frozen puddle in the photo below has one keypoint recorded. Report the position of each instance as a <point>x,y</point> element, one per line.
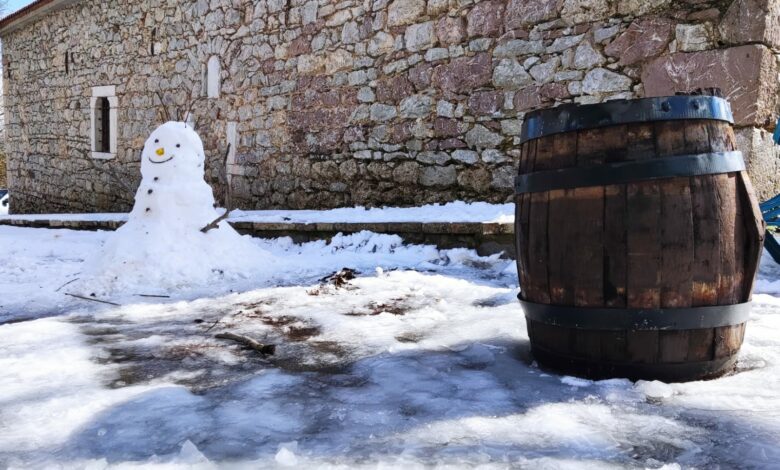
<point>425,362</point>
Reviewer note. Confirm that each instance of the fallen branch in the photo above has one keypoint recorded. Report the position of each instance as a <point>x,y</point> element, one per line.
<point>153,296</point>
<point>265,349</point>
<point>93,300</point>
<point>215,223</point>
<point>215,324</point>
<point>66,284</point>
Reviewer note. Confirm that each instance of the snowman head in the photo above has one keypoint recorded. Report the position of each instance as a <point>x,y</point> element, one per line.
<point>173,149</point>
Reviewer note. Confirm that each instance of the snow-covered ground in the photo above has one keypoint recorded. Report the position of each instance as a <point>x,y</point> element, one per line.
<point>451,212</point>
<point>422,359</point>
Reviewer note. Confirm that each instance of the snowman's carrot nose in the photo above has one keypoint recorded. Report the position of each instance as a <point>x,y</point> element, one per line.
<point>161,151</point>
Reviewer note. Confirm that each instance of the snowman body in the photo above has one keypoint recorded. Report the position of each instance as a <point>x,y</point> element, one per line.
<point>161,247</point>
<point>173,192</point>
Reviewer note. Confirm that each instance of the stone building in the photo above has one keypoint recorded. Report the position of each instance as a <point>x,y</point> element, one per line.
<point>343,102</point>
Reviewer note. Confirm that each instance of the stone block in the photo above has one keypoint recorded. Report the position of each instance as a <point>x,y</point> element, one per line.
<point>694,37</point>
<point>510,74</point>
<point>402,12</point>
<point>485,18</point>
<point>747,75</point>
<point>450,30</point>
<point>438,176</point>
<point>485,102</point>
<point>601,80</point>
<point>644,39</point>
<point>464,74</point>
<point>420,36</point>
<point>520,13</point>
<point>586,11</point>
<point>481,137</point>
<point>752,21</point>
<point>762,157</point>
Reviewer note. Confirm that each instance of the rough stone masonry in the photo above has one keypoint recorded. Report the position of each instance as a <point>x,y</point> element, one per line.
<point>359,102</point>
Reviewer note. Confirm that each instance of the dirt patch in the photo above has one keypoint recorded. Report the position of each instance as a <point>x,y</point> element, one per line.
<point>398,306</point>
<point>336,280</point>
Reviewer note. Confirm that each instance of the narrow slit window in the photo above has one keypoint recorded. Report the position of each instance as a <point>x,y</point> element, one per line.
<point>103,125</point>
<point>67,62</point>
<point>104,107</point>
<point>154,39</point>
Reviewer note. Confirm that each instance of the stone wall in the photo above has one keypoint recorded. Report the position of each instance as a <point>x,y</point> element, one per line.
<point>369,102</point>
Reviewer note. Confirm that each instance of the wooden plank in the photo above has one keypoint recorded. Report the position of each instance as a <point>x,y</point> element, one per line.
<point>676,233</point>
<point>586,252</point>
<point>587,246</point>
<point>673,346</point>
<point>613,346</point>
<point>615,248</point>
<point>640,141</point>
<point>670,138</point>
<point>754,234</point>
<point>538,289</point>
<point>603,145</point>
<point>644,257</point>
<point>676,225</point>
<point>700,344</point>
<point>526,164</point>
<point>561,228</point>
<point>706,230</point>
<point>587,344</point>
<point>725,188</point>
<point>728,340</point>
<point>521,236</point>
<point>642,346</point>
<point>698,138</point>
<point>677,243</point>
<point>729,291</point>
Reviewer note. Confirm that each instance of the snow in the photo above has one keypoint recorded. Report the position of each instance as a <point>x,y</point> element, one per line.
<point>458,211</point>
<point>421,360</point>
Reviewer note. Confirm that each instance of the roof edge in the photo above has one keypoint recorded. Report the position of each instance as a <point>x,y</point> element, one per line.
<point>30,13</point>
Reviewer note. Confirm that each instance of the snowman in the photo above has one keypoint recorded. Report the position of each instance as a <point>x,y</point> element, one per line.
<point>161,248</point>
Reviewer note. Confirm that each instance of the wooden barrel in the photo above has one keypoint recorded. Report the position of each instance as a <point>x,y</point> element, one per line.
<point>638,238</point>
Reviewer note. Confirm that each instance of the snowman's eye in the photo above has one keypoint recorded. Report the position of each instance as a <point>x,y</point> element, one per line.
<point>156,141</point>
<point>178,146</point>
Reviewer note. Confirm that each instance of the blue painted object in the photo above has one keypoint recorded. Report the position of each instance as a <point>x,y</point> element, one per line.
<point>776,136</point>
<point>771,212</point>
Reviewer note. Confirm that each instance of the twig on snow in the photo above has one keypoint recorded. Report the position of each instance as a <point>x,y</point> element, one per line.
<point>66,284</point>
<point>152,296</point>
<point>215,324</point>
<point>93,300</point>
<point>266,349</point>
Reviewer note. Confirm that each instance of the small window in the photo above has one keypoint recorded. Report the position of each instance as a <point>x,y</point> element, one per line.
<point>104,122</point>
<point>103,125</point>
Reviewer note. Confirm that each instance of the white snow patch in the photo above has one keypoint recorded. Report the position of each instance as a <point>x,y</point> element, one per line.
<point>421,361</point>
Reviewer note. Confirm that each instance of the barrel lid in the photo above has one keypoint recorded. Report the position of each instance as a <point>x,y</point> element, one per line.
<point>574,117</point>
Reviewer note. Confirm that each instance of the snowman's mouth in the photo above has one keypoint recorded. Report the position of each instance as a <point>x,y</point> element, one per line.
<point>163,161</point>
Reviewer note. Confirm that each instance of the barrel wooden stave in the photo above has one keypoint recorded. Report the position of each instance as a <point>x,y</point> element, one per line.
<point>669,243</point>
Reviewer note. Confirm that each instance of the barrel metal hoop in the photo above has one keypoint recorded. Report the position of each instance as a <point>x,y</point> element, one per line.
<point>652,319</point>
<point>569,118</point>
<point>629,172</point>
